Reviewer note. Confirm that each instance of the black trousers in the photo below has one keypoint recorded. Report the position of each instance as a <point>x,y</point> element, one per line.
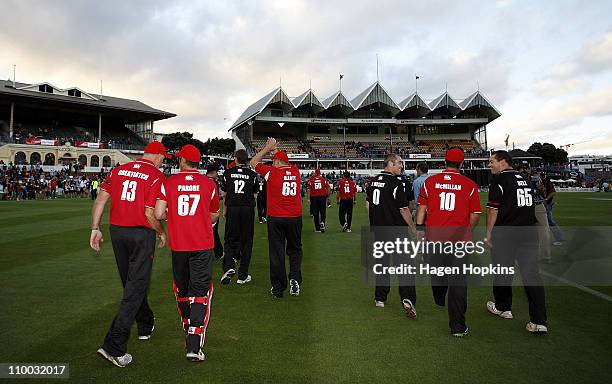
<point>218,244</point>
<point>239,227</point>
<point>193,288</point>
<point>94,193</point>
<point>318,204</point>
<point>345,212</point>
<point>134,248</point>
<point>284,235</point>
<point>406,283</point>
<point>519,246</point>
<point>456,287</point>
<point>261,205</point>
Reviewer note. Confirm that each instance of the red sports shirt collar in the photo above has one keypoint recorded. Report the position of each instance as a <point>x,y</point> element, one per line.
<point>143,160</point>
<point>447,170</point>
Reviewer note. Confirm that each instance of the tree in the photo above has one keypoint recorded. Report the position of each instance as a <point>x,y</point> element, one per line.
<point>549,153</point>
<point>215,146</point>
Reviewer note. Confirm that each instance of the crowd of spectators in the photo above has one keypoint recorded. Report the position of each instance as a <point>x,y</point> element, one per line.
<point>30,182</point>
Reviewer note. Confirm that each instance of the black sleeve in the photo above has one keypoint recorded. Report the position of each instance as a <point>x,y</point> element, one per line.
<point>399,193</point>
<point>223,181</point>
<point>496,192</point>
<point>255,182</point>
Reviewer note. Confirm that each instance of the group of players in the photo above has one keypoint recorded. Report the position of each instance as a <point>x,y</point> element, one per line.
<point>141,198</point>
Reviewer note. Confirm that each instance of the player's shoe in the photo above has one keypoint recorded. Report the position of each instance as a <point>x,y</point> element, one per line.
<point>265,219</point>
<point>348,230</point>
<point>557,243</point>
<point>409,309</point>
<point>247,280</point>
<point>317,231</point>
<point>120,361</point>
<point>261,221</point>
<point>379,304</point>
<point>195,356</point>
<point>536,328</point>
<point>294,287</point>
<point>461,334</point>
<point>148,336</point>
<point>274,295</point>
<point>227,276</point>
<point>503,314</point>
<point>322,227</point>
<point>344,227</point>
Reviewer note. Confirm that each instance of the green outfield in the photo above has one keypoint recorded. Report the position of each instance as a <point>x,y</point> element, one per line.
<point>58,298</point>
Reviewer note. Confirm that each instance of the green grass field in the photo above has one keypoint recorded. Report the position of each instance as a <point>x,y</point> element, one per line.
<point>58,298</point>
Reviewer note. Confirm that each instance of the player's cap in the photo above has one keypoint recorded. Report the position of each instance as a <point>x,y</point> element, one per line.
<point>282,156</point>
<point>156,148</point>
<point>317,171</point>
<point>455,155</point>
<point>190,153</point>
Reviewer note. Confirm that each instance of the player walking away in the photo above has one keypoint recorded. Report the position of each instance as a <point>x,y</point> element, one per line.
<point>539,193</point>
<point>548,202</point>
<point>345,200</point>
<point>453,209</point>
<point>284,218</point>
<point>192,205</point>
<point>128,187</point>
<point>511,205</point>
<point>261,200</point>
<point>422,175</point>
<point>212,172</point>
<point>318,190</point>
<point>240,186</point>
<point>387,206</point>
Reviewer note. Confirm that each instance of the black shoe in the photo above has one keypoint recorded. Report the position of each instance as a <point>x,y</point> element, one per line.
<point>274,295</point>
<point>294,288</point>
<point>227,276</point>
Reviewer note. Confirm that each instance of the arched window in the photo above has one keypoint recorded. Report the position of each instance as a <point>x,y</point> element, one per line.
<point>20,158</point>
<point>106,161</point>
<point>83,160</point>
<point>35,158</point>
<point>94,161</point>
<point>49,159</point>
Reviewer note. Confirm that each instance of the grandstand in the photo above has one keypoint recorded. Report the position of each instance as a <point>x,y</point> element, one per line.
<point>335,133</point>
<point>42,123</point>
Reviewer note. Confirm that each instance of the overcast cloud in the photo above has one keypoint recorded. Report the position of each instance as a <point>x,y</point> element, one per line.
<point>547,67</point>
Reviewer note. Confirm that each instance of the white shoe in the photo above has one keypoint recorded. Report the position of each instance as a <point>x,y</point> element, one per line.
<point>409,309</point>
<point>294,287</point>
<point>348,230</point>
<point>227,276</point>
<point>379,304</point>
<point>147,337</point>
<point>344,227</point>
<point>248,279</point>
<point>536,328</point>
<point>557,243</point>
<point>503,314</point>
<point>192,356</point>
<point>120,361</point>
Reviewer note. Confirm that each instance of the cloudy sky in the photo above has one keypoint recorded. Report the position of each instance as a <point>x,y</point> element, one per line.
<point>547,66</point>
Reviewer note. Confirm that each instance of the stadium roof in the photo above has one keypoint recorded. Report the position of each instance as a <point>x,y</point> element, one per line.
<point>31,91</point>
<point>375,93</point>
<point>307,98</point>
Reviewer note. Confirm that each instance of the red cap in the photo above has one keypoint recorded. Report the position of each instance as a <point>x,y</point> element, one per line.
<point>455,155</point>
<point>232,164</point>
<point>190,153</point>
<point>156,148</point>
<point>282,156</point>
<point>317,171</point>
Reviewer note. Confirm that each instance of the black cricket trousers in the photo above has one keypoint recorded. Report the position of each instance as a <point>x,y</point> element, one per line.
<point>345,212</point>
<point>284,234</point>
<point>519,245</point>
<point>456,287</point>
<point>193,289</point>
<point>134,248</point>
<point>318,206</point>
<point>239,226</point>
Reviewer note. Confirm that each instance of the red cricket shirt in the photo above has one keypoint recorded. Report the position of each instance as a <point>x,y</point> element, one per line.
<point>191,197</point>
<point>346,189</point>
<point>318,186</point>
<point>450,198</point>
<point>283,190</point>
<point>130,186</point>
